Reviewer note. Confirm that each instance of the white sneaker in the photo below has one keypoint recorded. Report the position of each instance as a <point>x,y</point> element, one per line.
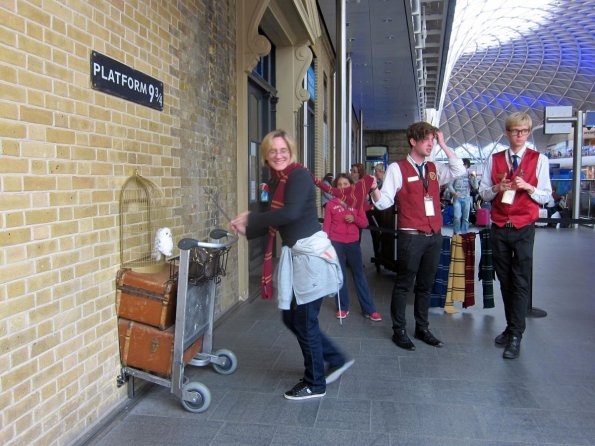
<point>336,372</point>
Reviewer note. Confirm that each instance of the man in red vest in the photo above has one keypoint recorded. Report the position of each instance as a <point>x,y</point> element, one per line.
<point>415,186</point>
<point>516,181</point>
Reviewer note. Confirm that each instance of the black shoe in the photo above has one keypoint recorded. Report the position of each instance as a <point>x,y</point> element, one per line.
<point>426,336</point>
<point>402,340</point>
<point>513,347</point>
<point>302,391</point>
<point>502,338</point>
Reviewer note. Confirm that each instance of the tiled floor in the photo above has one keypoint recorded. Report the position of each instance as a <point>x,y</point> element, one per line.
<point>462,394</point>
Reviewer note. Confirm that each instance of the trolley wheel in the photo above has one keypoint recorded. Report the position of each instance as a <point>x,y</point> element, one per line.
<point>203,397</point>
<point>231,362</point>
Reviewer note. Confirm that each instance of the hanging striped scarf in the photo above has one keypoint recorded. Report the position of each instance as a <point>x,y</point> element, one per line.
<point>469,250</point>
<point>278,201</point>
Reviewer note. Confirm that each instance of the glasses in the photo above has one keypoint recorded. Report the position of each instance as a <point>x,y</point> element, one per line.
<point>518,132</point>
<point>278,152</point>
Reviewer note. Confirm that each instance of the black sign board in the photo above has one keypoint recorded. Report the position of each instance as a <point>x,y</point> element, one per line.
<point>110,76</point>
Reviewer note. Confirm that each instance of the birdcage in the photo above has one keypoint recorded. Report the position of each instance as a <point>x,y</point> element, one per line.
<point>142,214</point>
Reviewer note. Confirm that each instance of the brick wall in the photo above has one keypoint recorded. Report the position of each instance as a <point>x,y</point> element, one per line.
<point>65,151</point>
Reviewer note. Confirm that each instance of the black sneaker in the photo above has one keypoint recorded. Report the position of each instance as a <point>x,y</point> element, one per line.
<point>302,391</point>
<point>334,373</point>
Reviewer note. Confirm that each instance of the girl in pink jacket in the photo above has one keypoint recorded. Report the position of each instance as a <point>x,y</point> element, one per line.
<point>342,224</point>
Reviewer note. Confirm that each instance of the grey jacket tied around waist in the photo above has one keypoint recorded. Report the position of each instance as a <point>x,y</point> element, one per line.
<point>314,261</point>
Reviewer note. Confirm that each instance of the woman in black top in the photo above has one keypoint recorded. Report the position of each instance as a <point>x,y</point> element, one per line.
<point>293,213</point>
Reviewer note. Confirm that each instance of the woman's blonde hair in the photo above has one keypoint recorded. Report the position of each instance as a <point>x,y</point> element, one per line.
<point>267,144</point>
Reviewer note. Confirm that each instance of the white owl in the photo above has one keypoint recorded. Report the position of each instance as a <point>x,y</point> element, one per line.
<point>163,243</point>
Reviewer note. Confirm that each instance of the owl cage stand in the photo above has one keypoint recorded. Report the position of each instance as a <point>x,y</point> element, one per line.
<point>201,265</point>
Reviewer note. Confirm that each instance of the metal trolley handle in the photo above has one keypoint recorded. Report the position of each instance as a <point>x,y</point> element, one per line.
<point>217,234</point>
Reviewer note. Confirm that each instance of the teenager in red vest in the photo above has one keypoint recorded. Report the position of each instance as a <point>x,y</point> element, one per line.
<point>517,182</point>
<point>415,186</point>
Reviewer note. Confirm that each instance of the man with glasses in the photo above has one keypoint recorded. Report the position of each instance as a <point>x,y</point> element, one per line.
<point>517,182</point>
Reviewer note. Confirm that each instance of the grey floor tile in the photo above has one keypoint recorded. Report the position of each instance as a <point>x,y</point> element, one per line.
<point>236,434</point>
<point>288,436</point>
<point>265,409</point>
<point>349,415</point>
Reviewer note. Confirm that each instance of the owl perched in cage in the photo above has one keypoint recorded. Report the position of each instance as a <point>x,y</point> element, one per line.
<point>164,243</point>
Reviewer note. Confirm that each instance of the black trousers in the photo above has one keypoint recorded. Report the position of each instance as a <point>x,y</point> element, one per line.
<point>418,257</point>
<point>512,251</point>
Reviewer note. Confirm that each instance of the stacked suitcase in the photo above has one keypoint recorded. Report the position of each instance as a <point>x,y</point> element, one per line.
<point>146,309</point>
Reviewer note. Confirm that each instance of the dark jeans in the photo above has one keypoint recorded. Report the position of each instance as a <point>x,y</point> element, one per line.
<point>418,257</point>
<point>316,347</point>
<point>351,253</point>
<point>513,261</point>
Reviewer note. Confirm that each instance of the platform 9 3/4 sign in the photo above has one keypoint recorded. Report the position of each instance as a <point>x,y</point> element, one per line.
<point>110,76</point>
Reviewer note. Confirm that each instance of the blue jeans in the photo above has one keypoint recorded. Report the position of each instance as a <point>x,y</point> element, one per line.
<point>317,348</point>
<point>351,253</point>
<point>461,206</point>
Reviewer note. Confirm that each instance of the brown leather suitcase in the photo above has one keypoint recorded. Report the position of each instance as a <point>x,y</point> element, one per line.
<point>148,348</point>
<point>149,298</point>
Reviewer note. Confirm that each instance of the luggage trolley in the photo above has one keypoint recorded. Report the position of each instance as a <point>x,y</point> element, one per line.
<point>201,265</point>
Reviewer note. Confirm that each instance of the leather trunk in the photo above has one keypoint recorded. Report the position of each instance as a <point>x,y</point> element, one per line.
<point>148,348</point>
<point>149,298</point>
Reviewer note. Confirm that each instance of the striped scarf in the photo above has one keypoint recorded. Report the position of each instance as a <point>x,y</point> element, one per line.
<point>469,250</point>
<point>486,269</point>
<point>278,201</point>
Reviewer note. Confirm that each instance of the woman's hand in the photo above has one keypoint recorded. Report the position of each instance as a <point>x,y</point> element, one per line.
<point>239,223</point>
<point>349,218</point>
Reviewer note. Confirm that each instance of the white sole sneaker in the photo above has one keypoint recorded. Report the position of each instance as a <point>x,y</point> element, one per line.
<point>336,374</point>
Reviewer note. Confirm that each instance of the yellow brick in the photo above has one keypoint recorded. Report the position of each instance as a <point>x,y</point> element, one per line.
<point>13,201</point>
<point>15,219</point>
<point>14,165</point>
<point>60,136</point>
<point>61,120</point>
<point>36,115</point>
<point>34,46</point>
<point>62,198</point>
<point>44,344</point>
<point>43,265</point>
<point>38,149</point>
<point>9,111</point>
<point>40,232</point>
<point>64,183</point>
<point>39,183</point>
<point>35,81</point>
<point>41,216</point>
<point>66,228</point>
<point>83,153</point>
<point>15,341</point>
<point>62,167</point>
<point>16,289</point>
<point>80,123</point>
<point>43,280</point>
<point>85,268</point>
<point>36,98</point>
<point>9,148</point>
<point>12,57</point>
<point>83,182</point>
<point>42,297</point>
<point>12,129</point>
<point>62,104</point>
<point>12,184</point>
<point>46,328</point>
<point>33,13</point>
<point>66,214</point>
<point>15,236</point>
<point>85,211</point>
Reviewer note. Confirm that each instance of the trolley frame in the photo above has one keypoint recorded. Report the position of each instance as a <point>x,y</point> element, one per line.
<point>194,396</point>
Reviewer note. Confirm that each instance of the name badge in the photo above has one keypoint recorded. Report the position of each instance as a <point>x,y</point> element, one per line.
<point>508,196</point>
<point>411,179</point>
<point>429,206</point>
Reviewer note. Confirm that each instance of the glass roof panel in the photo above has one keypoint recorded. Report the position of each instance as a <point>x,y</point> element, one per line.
<point>515,55</point>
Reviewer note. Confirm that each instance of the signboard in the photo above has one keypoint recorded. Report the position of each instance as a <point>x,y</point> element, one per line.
<point>110,76</point>
<point>559,126</point>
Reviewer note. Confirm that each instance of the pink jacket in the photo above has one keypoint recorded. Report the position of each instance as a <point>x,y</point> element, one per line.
<point>337,228</point>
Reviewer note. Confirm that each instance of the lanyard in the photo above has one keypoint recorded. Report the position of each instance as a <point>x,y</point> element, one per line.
<point>424,178</point>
